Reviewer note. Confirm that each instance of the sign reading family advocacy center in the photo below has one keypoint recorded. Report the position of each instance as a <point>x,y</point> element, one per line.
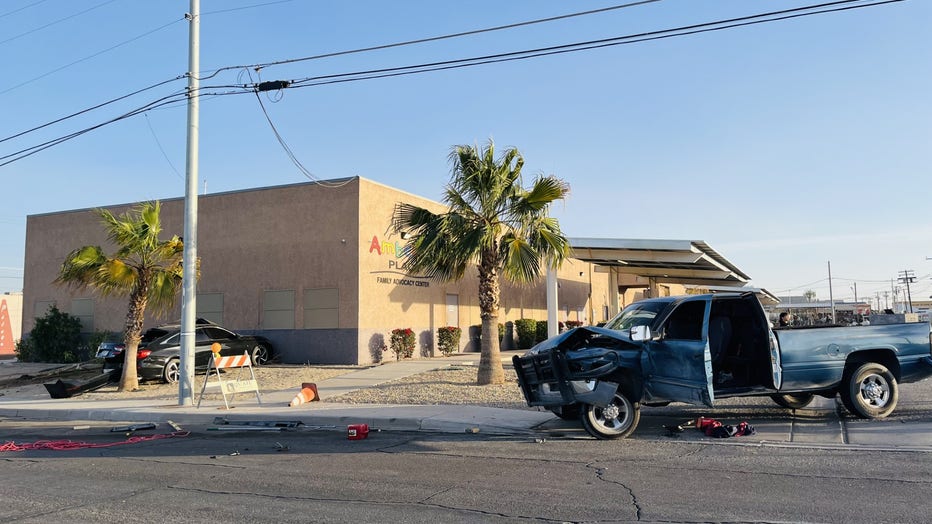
<point>395,275</point>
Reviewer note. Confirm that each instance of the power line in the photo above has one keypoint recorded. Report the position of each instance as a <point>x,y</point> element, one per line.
<point>578,46</point>
<point>245,7</point>
<point>60,20</point>
<point>151,106</point>
<point>427,39</point>
<point>98,106</point>
<point>469,62</point>
<point>50,143</point>
<point>158,143</point>
<point>27,6</point>
<point>111,48</point>
<point>294,159</point>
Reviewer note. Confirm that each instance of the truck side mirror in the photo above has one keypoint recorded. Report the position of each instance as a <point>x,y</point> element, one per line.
<point>639,333</point>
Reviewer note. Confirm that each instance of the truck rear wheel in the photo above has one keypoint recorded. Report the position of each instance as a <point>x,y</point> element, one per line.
<point>616,420</point>
<point>870,391</point>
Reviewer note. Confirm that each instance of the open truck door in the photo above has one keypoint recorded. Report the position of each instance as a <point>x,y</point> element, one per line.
<point>676,360</point>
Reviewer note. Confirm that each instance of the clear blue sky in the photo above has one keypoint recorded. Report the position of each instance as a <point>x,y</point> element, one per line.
<point>783,145</point>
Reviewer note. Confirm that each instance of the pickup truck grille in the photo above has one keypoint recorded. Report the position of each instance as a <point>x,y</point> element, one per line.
<point>534,371</point>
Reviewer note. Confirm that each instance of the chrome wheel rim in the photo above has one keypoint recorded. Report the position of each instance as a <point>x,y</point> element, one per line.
<point>172,372</point>
<point>875,390</point>
<point>615,417</point>
<point>260,355</point>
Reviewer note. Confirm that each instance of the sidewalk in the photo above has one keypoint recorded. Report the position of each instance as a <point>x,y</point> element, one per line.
<point>817,426</point>
<point>275,405</point>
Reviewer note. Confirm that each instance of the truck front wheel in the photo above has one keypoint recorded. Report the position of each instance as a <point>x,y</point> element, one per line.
<point>616,420</point>
<point>870,391</point>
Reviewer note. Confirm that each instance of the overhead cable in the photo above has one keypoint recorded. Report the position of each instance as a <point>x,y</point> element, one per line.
<point>98,106</point>
<point>50,24</point>
<point>98,53</point>
<point>27,6</point>
<point>469,62</point>
<point>264,65</point>
<point>578,46</point>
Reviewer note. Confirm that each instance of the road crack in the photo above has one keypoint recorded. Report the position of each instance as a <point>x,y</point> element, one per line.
<point>600,474</point>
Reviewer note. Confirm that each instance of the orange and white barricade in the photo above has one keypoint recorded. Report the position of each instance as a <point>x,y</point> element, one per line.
<point>230,386</point>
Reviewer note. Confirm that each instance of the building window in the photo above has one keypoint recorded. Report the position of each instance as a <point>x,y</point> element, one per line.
<point>83,309</point>
<point>278,309</point>
<point>210,307</point>
<point>453,310</point>
<point>322,308</point>
<point>42,308</point>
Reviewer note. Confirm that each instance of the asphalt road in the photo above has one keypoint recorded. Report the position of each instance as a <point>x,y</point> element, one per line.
<point>318,475</point>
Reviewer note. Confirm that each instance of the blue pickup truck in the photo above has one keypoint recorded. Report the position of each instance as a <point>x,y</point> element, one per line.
<point>699,348</point>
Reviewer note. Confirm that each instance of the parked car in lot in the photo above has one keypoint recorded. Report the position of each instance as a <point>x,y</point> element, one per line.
<point>158,356</point>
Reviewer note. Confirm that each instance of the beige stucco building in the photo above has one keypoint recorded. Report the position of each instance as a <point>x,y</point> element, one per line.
<point>313,266</point>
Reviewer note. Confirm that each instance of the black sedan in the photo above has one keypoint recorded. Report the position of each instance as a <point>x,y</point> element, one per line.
<point>158,356</point>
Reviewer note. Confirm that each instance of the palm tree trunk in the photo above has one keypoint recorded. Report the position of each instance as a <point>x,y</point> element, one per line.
<point>490,359</point>
<point>132,333</point>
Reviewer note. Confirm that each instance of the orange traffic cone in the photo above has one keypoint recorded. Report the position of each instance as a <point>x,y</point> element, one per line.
<point>308,393</point>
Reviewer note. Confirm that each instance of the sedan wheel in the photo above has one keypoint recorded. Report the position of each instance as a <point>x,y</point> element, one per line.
<point>616,420</point>
<point>260,355</point>
<point>172,371</point>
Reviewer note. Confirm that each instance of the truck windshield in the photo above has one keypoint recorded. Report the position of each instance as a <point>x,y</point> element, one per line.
<point>638,314</point>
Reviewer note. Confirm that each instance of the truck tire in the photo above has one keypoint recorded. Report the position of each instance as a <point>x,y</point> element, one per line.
<point>870,391</point>
<point>616,420</point>
<point>793,400</point>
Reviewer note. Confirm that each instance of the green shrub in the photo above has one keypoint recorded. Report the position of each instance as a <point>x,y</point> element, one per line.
<point>95,338</point>
<point>56,337</point>
<point>448,340</point>
<point>501,331</point>
<point>541,333</point>
<point>527,332</point>
<point>25,350</point>
<point>402,343</point>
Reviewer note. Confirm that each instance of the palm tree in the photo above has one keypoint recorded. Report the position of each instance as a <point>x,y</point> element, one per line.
<point>146,269</point>
<point>493,222</point>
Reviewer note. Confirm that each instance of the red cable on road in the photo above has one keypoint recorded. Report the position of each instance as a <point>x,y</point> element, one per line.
<point>61,445</point>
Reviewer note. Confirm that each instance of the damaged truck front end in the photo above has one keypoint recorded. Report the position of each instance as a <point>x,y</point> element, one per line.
<point>589,373</point>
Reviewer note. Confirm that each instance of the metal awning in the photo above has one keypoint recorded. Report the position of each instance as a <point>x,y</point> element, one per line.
<point>687,262</point>
<point>672,261</point>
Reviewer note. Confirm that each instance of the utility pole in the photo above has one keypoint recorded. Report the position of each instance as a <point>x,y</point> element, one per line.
<point>908,276</point>
<point>189,257</point>
<point>831,300</point>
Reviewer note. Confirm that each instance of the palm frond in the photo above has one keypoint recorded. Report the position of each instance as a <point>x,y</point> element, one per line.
<point>80,267</point>
<point>521,262</point>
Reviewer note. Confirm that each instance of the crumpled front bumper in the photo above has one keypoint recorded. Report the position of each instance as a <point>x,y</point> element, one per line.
<point>546,380</point>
